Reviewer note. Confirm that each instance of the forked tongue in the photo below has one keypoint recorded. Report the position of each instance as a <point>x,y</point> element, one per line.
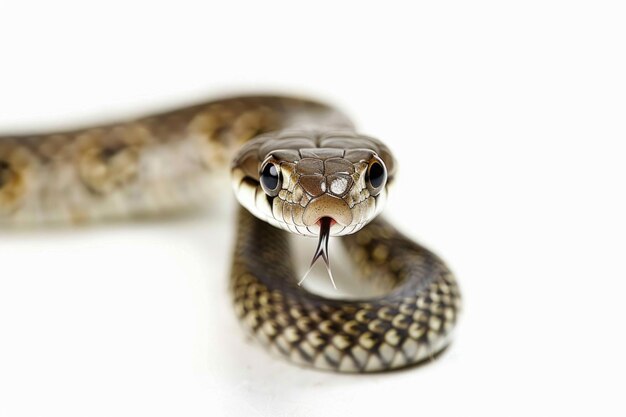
<point>322,250</point>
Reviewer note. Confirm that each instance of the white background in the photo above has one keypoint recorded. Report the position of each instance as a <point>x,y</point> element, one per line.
<point>508,121</point>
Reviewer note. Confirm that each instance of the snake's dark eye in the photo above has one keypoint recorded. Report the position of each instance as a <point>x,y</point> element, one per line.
<point>270,179</point>
<point>376,176</point>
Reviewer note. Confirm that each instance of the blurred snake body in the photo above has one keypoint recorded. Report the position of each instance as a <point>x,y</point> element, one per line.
<point>297,166</point>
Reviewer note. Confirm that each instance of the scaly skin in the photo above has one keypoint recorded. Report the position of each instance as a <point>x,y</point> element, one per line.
<point>164,162</point>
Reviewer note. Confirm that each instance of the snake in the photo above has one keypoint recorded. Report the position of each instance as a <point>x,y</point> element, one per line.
<point>297,167</point>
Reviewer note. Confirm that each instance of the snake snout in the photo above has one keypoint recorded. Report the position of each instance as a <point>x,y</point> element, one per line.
<point>327,206</point>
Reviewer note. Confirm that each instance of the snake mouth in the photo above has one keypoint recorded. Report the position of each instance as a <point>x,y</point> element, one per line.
<point>321,224</point>
<point>326,220</point>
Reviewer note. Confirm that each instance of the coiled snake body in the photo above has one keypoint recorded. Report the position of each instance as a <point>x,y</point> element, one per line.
<point>298,166</point>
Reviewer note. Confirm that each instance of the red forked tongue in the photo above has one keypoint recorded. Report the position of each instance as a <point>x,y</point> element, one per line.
<point>322,249</point>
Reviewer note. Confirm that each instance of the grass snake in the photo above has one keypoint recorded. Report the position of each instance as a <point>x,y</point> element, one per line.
<point>297,167</point>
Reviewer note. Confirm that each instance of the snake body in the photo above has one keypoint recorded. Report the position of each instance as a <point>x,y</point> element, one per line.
<point>294,163</point>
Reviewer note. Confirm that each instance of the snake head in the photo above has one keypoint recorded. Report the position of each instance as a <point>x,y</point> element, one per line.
<point>295,179</point>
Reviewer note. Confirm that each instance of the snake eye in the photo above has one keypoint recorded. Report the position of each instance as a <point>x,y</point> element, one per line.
<point>270,179</point>
<point>376,176</point>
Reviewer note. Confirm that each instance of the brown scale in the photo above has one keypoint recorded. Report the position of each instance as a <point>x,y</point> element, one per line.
<point>16,165</point>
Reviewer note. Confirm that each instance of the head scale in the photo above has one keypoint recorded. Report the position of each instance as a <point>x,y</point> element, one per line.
<point>294,179</point>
